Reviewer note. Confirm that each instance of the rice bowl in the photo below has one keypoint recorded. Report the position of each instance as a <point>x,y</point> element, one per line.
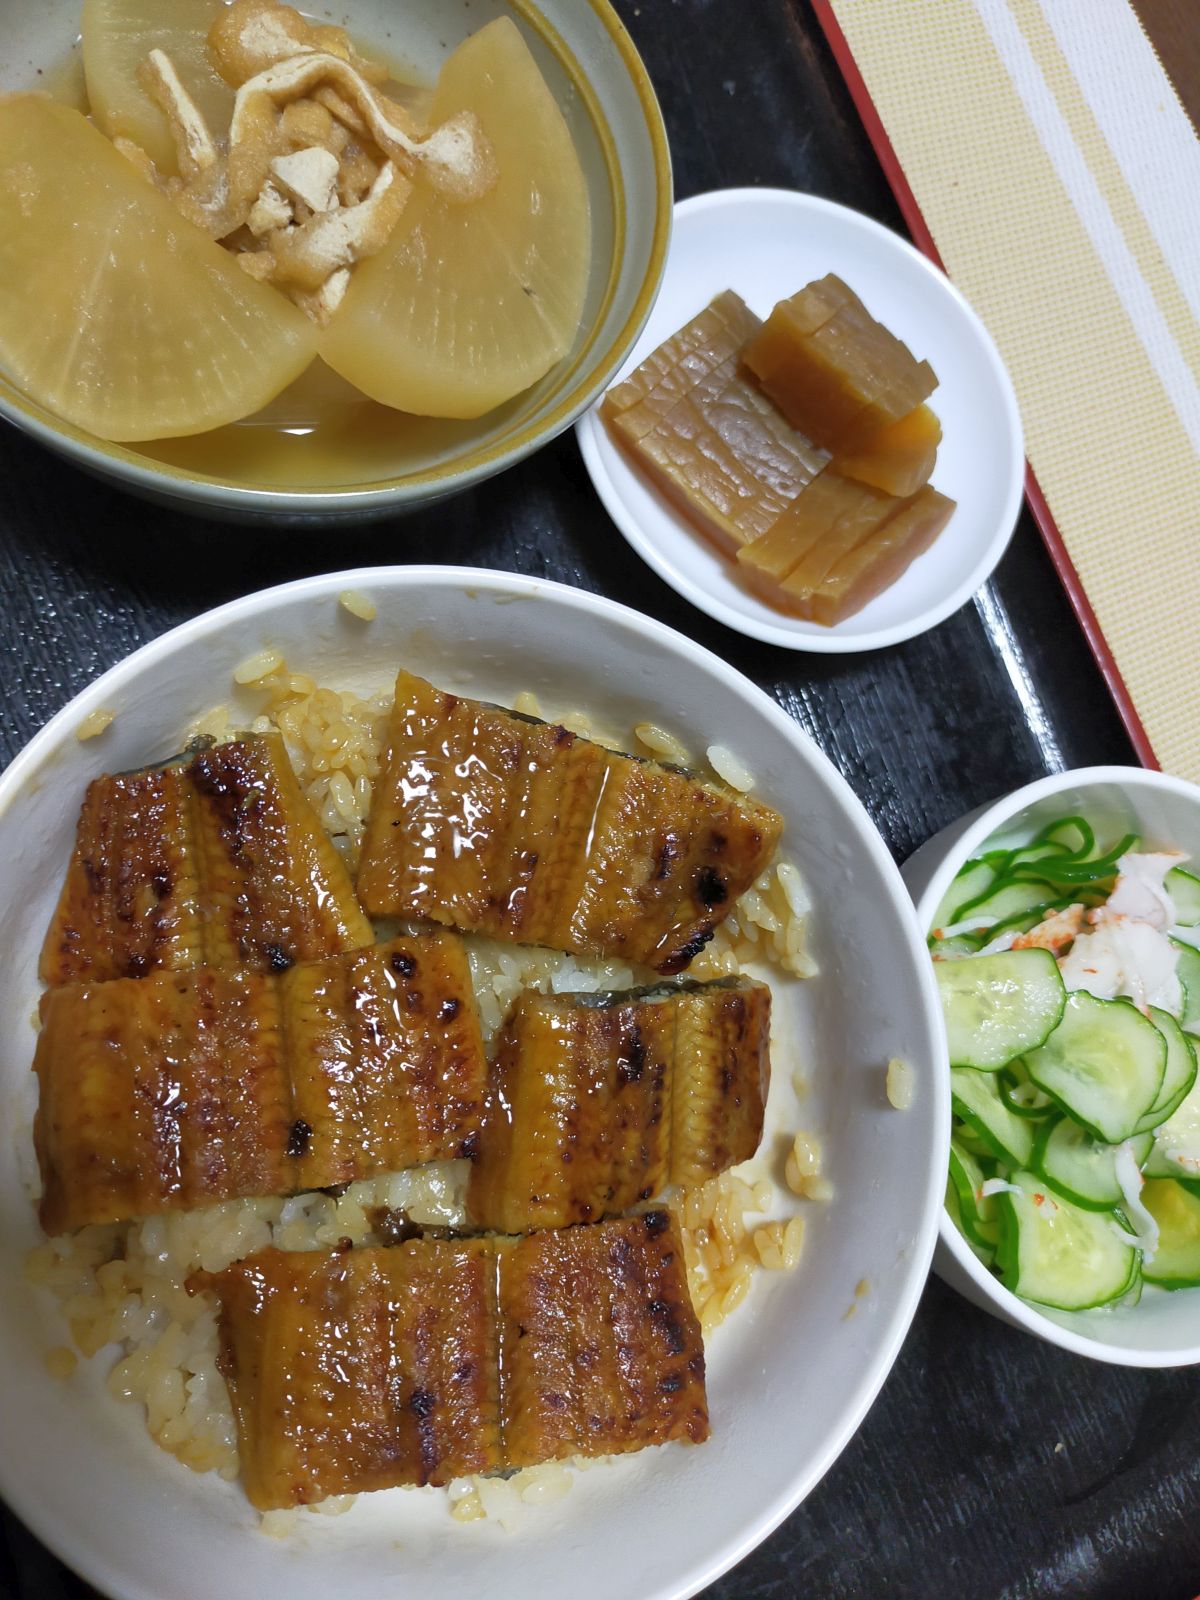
<point>823,1346</point>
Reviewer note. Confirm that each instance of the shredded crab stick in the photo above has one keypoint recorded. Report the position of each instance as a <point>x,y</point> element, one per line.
<point>501,824</point>
<point>435,1359</point>
<point>599,1101</point>
<point>178,1090</point>
<point>214,859</point>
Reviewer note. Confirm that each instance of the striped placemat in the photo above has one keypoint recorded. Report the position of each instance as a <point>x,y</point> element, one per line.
<point>1040,148</point>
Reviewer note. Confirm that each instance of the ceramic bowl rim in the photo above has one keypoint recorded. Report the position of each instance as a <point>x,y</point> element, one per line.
<point>983,825</point>
<point>123,464</point>
<point>828,641</point>
<point>862,1392</point>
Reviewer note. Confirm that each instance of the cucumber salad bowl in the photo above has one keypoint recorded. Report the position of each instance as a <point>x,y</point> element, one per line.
<point>1063,923</point>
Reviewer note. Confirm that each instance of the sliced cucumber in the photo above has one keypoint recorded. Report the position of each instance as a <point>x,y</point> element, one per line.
<point>1176,1152</point>
<point>1184,888</point>
<point>1012,900</point>
<point>970,885</point>
<point>1134,1292</point>
<point>1176,1263</point>
<point>954,949</point>
<point>1021,1095</point>
<point>1180,1073</point>
<point>1058,1254</point>
<point>1189,977</point>
<point>976,1211</point>
<point>1073,834</point>
<point>985,1252</point>
<point>1079,1169</point>
<point>964,1134</point>
<point>976,1099</point>
<point>1104,1063</point>
<point>997,1007</point>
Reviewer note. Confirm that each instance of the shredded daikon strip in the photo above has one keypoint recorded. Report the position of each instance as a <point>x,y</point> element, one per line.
<point>967,925</point>
<point>1130,1179</point>
<point>991,1186</point>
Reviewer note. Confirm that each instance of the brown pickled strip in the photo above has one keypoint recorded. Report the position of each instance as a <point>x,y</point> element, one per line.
<point>899,458</point>
<point>880,561</point>
<point>362,1369</point>
<point>723,454</point>
<point>831,518</point>
<point>840,381</point>
<point>596,1103</point>
<point>436,1359</point>
<point>530,834</point>
<point>216,861</point>
<point>181,1089</point>
<point>685,359</point>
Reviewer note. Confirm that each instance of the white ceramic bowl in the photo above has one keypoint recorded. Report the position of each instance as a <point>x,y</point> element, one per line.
<point>1163,1329</point>
<point>791,1374</point>
<point>602,88</point>
<point>765,244</point>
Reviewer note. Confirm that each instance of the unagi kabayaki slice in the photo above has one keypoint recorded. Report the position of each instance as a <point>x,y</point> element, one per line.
<point>361,1369</point>
<point>116,313</point>
<point>185,1088</point>
<point>596,1102</point>
<point>469,303</point>
<point>500,824</point>
<point>218,859</point>
<point>366,1369</point>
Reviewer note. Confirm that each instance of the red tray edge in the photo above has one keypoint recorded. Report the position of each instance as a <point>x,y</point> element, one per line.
<point>923,239</point>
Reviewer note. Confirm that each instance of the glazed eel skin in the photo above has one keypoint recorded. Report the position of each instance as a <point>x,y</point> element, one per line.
<point>597,1102</point>
<point>496,823</point>
<point>215,858</point>
<point>439,1358</point>
<point>184,1088</point>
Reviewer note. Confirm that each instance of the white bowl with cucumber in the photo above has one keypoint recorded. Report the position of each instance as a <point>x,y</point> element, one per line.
<point>1064,926</point>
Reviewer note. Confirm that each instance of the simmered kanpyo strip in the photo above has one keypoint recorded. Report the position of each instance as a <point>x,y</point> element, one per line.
<point>361,1369</point>
<point>181,1089</point>
<point>834,371</point>
<point>434,1359</point>
<point>503,825</point>
<point>217,860</point>
<point>599,1101</point>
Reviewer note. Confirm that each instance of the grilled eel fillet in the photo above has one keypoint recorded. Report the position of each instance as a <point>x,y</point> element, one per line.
<point>180,1089</point>
<point>217,860</point>
<point>504,825</point>
<point>598,1101</point>
<point>430,1360</point>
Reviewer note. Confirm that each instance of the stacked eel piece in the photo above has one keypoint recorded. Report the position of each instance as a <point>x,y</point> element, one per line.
<point>219,1022</point>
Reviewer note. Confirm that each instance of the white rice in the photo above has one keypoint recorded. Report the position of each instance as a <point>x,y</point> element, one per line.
<point>123,1286</point>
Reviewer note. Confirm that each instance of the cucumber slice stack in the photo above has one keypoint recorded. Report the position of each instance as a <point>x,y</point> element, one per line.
<point>1075,1158</point>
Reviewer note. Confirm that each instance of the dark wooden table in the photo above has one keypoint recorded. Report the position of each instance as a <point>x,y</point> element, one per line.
<point>992,1467</point>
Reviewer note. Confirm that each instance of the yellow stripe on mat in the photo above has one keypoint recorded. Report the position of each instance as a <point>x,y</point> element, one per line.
<point>1036,221</point>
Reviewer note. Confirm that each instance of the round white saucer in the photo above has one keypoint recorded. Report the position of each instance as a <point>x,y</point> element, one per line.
<point>765,244</point>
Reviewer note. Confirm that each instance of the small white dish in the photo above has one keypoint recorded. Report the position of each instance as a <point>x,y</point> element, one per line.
<point>765,244</point>
<point>1163,1329</point>
<point>791,1374</point>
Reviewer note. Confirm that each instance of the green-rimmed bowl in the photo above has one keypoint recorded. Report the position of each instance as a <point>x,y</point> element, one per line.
<point>605,94</point>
